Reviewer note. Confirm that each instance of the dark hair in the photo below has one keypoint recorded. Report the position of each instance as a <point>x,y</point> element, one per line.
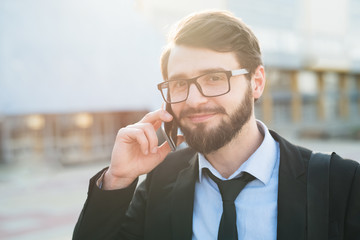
<point>219,31</point>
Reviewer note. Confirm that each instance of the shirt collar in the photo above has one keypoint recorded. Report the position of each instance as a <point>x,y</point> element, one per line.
<point>260,164</point>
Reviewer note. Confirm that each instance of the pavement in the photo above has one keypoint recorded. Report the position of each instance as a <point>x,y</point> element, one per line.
<point>38,202</point>
<point>41,201</point>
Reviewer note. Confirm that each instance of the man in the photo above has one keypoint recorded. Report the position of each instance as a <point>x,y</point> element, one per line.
<point>213,75</point>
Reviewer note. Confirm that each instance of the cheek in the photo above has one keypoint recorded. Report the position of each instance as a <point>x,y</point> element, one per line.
<point>176,109</point>
<point>231,101</point>
<point>238,92</point>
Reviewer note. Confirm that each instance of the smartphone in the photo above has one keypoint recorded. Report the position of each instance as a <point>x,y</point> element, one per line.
<point>168,137</point>
<point>169,130</point>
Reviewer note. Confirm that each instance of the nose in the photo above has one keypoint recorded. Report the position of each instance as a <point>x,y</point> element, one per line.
<point>195,97</point>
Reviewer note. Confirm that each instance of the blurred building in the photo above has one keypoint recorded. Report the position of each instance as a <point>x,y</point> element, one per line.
<point>62,138</point>
<point>73,72</point>
<point>311,52</point>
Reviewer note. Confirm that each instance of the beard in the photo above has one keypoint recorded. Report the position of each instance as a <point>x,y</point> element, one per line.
<point>208,141</point>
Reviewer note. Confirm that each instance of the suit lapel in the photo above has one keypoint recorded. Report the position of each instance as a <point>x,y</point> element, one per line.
<point>183,201</point>
<point>291,193</point>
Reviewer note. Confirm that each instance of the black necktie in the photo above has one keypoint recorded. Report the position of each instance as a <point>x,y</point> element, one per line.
<point>229,190</point>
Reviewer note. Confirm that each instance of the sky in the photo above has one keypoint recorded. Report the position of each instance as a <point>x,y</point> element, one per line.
<point>61,56</point>
<point>83,55</point>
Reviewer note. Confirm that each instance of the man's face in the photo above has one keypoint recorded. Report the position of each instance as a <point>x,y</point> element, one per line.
<point>209,123</point>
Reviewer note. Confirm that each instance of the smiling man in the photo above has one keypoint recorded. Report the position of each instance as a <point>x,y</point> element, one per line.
<point>237,179</point>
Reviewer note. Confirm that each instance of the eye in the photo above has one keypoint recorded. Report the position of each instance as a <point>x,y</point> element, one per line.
<point>178,84</point>
<point>215,77</point>
<point>181,83</point>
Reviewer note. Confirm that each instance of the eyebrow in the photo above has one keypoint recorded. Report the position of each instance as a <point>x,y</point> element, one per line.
<point>183,76</point>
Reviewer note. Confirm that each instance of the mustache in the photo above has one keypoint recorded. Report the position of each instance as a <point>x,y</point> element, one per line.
<point>191,111</point>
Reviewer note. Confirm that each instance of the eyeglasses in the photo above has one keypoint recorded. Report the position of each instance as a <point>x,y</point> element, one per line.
<point>209,85</point>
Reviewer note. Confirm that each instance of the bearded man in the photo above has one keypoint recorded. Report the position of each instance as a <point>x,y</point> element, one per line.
<point>237,179</point>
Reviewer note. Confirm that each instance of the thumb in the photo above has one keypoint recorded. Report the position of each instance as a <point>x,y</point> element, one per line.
<point>165,149</point>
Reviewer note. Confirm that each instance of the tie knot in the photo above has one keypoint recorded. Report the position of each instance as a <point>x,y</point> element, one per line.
<point>230,189</point>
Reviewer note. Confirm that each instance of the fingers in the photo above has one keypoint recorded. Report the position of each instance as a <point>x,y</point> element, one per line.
<point>147,130</point>
<point>157,125</point>
<point>144,132</point>
<point>165,149</point>
<point>155,116</point>
<point>131,135</point>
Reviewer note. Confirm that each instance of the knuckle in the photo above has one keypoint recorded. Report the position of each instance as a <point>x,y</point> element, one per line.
<point>121,131</point>
<point>137,131</point>
<point>148,115</point>
<point>128,130</point>
<point>148,126</point>
<point>143,126</point>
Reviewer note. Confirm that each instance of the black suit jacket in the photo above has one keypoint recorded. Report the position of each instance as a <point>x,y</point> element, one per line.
<point>162,206</point>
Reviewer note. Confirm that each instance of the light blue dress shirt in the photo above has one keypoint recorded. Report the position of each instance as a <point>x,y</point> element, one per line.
<point>256,205</point>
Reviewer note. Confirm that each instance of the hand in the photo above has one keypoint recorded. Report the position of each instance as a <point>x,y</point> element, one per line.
<point>136,150</point>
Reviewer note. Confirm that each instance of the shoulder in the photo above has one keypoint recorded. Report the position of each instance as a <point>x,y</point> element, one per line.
<point>305,153</point>
<point>340,163</point>
<point>297,157</point>
<point>343,171</point>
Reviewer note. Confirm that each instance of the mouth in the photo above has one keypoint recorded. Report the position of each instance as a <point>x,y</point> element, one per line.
<point>199,118</point>
<point>200,115</point>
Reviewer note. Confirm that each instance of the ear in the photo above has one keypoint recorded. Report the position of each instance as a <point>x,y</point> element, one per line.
<point>258,81</point>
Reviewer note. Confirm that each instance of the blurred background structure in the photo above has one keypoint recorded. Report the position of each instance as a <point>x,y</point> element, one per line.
<point>72,72</point>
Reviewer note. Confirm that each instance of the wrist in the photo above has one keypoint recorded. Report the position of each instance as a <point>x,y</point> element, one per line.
<point>111,182</point>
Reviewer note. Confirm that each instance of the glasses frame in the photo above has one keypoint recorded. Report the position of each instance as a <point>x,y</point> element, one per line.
<point>190,81</point>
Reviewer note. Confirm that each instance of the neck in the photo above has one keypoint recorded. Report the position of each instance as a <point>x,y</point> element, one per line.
<point>229,158</point>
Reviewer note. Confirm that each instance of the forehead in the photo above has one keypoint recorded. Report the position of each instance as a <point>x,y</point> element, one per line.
<point>188,62</point>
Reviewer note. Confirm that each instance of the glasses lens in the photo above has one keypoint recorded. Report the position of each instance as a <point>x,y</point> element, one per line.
<point>177,90</point>
<point>214,84</point>
<point>174,91</point>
